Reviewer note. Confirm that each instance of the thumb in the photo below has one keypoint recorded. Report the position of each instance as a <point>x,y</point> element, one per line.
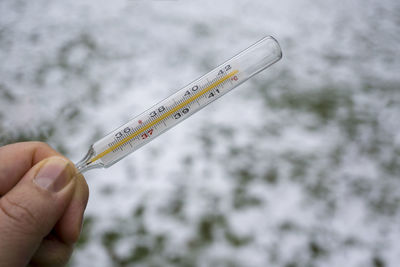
<point>32,208</point>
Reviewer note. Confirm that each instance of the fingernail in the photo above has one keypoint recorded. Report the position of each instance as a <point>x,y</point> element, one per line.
<point>54,175</point>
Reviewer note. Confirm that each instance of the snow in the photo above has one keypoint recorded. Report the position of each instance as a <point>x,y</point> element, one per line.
<point>297,167</point>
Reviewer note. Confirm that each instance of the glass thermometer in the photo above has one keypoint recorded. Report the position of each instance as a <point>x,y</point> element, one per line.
<point>180,105</point>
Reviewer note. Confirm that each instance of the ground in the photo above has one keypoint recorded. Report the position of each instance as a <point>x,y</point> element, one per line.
<point>297,167</point>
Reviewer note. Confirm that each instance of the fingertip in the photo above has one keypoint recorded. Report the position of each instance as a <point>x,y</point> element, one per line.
<point>52,252</point>
<point>17,159</point>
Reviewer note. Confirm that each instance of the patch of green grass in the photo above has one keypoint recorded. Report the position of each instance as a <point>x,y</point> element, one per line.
<point>109,238</point>
<point>242,199</point>
<point>271,175</point>
<point>86,232</point>
<point>236,240</point>
<point>323,103</point>
<point>44,134</point>
<point>206,230</point>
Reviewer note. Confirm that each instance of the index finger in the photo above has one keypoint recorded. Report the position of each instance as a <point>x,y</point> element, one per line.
<point>16,159</point>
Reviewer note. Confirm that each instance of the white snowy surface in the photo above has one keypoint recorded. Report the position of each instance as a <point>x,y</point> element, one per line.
<point>72,71</point>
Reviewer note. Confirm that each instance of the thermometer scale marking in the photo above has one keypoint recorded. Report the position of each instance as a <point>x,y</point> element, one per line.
<point>164,116</point>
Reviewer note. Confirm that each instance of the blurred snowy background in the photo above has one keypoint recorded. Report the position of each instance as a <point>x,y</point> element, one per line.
<point>298,167</point>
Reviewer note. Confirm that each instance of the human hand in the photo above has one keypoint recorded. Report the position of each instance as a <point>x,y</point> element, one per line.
<point>42,200</point>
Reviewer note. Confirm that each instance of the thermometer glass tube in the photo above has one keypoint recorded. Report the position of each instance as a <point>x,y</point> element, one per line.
<point>181,104</point>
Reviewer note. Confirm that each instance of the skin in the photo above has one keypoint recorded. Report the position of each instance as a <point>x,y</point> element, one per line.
<point>38,226</point>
